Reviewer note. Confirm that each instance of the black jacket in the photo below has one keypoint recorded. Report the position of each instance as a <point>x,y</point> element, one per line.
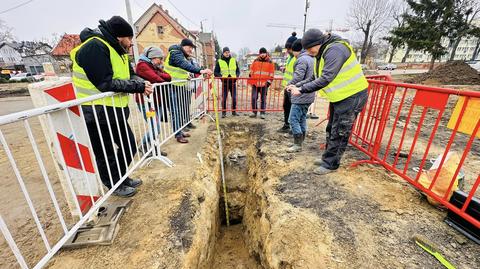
<point>94,58</point>
<point>217,71</point>
<point>178,58</point>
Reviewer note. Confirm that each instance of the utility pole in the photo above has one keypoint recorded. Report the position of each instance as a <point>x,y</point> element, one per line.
<point>130,20</point>
<point>307,5</point>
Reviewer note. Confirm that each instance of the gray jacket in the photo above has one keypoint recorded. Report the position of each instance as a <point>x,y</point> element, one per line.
<point>303,70</point>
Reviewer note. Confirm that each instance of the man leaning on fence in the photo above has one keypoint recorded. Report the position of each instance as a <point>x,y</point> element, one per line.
<point>227,69</point>
<point>100,64</point>
<point>339,76</point>
<point>179,67</point>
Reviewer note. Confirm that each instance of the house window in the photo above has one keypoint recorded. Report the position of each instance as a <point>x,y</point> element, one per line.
<point>160,30</point>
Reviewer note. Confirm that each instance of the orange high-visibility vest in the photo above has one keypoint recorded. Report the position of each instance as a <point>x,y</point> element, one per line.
<point>260,73</point>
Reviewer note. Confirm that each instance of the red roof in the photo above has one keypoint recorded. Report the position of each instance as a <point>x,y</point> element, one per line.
<point>66,44</point>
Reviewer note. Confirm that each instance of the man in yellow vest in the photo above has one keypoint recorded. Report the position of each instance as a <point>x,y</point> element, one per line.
<point>179,68</point>
<point>100,64</point>
<point>227,69</point>
<point>287,77</point>
<point>339,76</point>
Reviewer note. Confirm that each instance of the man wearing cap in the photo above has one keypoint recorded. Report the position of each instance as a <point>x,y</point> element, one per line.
<point>100,64</point>
<point>227,69</point>
<point>261,76</point>
<point>150,68</point>
<point>179,67</point>
<point>339,76</point>
<point>287,77</point>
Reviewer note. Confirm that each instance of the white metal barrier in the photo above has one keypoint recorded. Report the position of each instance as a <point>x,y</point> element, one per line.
<point>143,126</point>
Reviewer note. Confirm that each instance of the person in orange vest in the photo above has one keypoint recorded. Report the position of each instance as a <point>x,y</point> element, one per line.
<point>261,75</point>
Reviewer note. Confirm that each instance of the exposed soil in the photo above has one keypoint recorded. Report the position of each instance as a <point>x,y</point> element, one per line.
<point>450,73</point>
<point>13,89</point>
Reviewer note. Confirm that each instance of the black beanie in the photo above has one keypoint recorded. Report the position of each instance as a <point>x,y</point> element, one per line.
<point>226,49</point>
<point>313,37</point>
<point>290,40</point>
<point>262,50</point>
<point>187,42</point>
<point>119,27</point>
<point>297,45</point>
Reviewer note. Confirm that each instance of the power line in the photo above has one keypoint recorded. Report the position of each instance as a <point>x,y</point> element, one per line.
<point>15,7</point>
<point>183,14</point>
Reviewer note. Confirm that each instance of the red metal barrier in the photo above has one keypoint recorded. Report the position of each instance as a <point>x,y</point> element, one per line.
<point>405,125</point>
<point>244,94</point>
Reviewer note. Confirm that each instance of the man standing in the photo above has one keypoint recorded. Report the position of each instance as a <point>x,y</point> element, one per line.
<point>100,64</point>
<point>338,74</point>
<point>227,69</point>
<point>303,70</point>
<point>179,67</point>
<point>287,77</point>
<point>261,76</point>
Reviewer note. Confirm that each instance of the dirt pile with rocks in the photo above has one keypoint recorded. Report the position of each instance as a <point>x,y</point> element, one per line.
<point>450,73</point>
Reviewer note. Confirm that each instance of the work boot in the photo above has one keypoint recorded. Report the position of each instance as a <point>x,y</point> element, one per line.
<point>191,126</point>
<point>184,134</point>
<point>297,144</point>
<point>182,140</point>
<point>234,113</point>
<point>224,115</point>
<point>262,116</point>
<point>313,116</point>
<point>125,191</point>
<point>133,183</point>
<point>254,115</point>
<point>322,171</point>
<point>285,128</point>
<point>186,130</point>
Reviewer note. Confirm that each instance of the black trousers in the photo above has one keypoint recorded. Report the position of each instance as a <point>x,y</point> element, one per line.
<point>287,105</point>
<point>342,117</point>
<point>121,136</point>
<point>229,85</point>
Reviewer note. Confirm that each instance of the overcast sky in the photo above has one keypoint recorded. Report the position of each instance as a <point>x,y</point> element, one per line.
<point>237,23</point>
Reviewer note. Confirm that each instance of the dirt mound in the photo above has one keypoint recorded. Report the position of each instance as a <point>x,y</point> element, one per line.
<point>451,73</point>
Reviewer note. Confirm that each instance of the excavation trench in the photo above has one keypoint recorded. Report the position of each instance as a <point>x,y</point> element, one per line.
<point>239,151</point>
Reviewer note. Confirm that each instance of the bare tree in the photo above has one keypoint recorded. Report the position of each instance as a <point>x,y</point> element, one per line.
<point>371,17</point>
<point>6,32</point>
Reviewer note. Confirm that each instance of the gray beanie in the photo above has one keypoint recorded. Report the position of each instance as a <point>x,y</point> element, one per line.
<point>313,37</point>
<point>153,52</point>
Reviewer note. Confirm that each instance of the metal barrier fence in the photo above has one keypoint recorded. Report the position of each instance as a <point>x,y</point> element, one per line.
<point>404,126</point>
<point>248,97</point>
<point>48,171</point>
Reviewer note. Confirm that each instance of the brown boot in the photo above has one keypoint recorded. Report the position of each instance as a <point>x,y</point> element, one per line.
<point>182,140</point>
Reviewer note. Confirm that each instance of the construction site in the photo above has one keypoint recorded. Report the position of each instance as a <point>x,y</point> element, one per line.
<point>221,183</point>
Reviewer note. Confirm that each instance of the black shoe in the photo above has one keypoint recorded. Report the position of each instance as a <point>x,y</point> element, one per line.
<point>234,113</point>
<point>125,191</point>
<point>224,115</point>
<point>254,115</point>
<point>285,128</point>
<point>263,116</point>
<point>191,126</point>
<point>186,129</point>
<point>132,183</point>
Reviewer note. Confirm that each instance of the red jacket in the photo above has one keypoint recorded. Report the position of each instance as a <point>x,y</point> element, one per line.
<point>151,73</point>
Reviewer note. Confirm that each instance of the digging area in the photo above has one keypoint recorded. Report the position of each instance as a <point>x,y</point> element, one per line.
<point>282,215</point>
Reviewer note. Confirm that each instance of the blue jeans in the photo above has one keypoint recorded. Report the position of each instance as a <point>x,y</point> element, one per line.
<point>177,99</point>
<point>263,104</point>
<point>298,118</point>
<point>157,118</point>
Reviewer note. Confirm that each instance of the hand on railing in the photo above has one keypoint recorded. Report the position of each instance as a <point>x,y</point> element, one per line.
<point>148,88</point>
<point>206,71</point>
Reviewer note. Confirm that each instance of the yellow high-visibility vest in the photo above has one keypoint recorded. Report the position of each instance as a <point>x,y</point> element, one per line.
<point>228,69</point>
<point>176,73</point>
<point>349,80</point>
<point>85,88</point>
<point>288,75</point>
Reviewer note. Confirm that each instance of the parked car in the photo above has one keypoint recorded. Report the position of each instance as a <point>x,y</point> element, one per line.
<point>387,67</point>
<point>39,77</point>
<point>23,76</point>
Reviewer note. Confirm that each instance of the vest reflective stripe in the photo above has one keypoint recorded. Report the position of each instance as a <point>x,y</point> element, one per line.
<point>176,73</point>
<point>85,88</point>
<point>228,69</point>
<point>288,75</point>
<point>263,73</point>
<point>349,80</point>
